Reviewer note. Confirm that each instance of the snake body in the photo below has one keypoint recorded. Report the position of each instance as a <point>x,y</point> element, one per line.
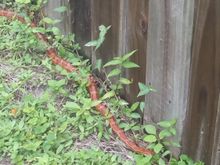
<point>92,87</point>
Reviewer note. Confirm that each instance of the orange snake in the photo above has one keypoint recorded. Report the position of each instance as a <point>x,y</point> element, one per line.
<point>92,88</point>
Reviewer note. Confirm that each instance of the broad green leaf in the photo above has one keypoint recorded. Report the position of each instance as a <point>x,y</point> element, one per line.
<point>142,160</point>
<point>61,9</point>
<point>108,95</point>
<point>112,63</point>
<point>125,81</point>
<point>56,84</point>
<point>60,148</point>
<point>98,64</point>
<point>95,102</point>
<point>63,127</point>
<point>158,147</point>
<point>129,64</point>
<point>38,30</point>
<point>164,133</point>
<point>181,163</point>
<point>167,123</point>
<point>142,106</point>
<point>50,20</point>
<point>150,129</point>
<point>166,153</point>
<point>173,131</point>
<point>114,72</point>
<point>103,30</point>
<point>97,43</point>
<point>126,56</point>
<point>144,89</point>
<point>175,144</point>
<point>32,146</point>
<point>134,107</point>
<point>56,31</point>
<point>71,105</point>
<point>23,1</point>
<point>135,115</point>
<point>150,138</point>
<point>91,43</point>
<point>161,162</point>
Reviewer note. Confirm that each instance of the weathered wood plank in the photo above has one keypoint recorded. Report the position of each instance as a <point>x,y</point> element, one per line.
<point>65,24</point>
<point>81,23</point>
<point>168,60</point>
<point>199,136</point>
<point>107,13</point>
<point>134,26</point>
<point>215,159</point>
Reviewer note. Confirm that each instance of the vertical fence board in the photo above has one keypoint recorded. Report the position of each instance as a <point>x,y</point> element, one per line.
<point>215,159</point>
<point>107,13</point>
<point>168,59</point>
<point>65,24</point>
<point>178,57</point>
<point>134,26</point>
<point>201,119</point>
<point>81,23</point>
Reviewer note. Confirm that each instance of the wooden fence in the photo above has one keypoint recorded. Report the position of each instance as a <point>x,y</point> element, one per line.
<point>178,43</point>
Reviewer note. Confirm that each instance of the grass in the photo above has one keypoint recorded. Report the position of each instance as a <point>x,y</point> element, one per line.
<point>45,114</point>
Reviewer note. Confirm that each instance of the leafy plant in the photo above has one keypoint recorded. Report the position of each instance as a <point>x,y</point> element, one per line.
<point>45,111</point>
<point>97,43</point>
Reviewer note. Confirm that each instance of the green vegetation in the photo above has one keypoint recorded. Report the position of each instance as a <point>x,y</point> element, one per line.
<point>45,111</point>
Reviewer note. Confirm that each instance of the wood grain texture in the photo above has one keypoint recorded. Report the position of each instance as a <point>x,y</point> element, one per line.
<point>65,24</point>
<point>215,159</point>
<point>81,24</point>
<point>134,27</point>
<point>168,60</point>
<point>105,12</point>
<point>199,133</point>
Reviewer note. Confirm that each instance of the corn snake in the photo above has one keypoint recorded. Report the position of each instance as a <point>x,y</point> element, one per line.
<point>92,87</point>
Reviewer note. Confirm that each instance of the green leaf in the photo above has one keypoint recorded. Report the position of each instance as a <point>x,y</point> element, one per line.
<point>63,127</point>
<point>150,138</point>
<point>23,1</point>
<point>61,9</point>
<point>144,89</point>
<point>142,160</point>
<point>135,115</point>
<point>175,144</point>
<point>129,64</point>
<point>142,106</point>
<point>71,105</point>
<point>32,146</point>
<point>173,131</point>
<point>161,162</point>
<point>97,43</point>
<point>134,107</point>
<point>60,148</point>
<point>56,31</point>
<point>38,30</point>
<point>164,133</point>
<point>91,43</point>
<point>150,129</point>
<point>56,84</point>
<point>114,72</point>
<point>112,63</point>
<point>167,123</point>
<point>125,81</point>
<point>50,20</point>
<point>158,147</point>
<point>108,95</point>
<point>126,56</point>
<point>98,64</point>
<point>166,153</point>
